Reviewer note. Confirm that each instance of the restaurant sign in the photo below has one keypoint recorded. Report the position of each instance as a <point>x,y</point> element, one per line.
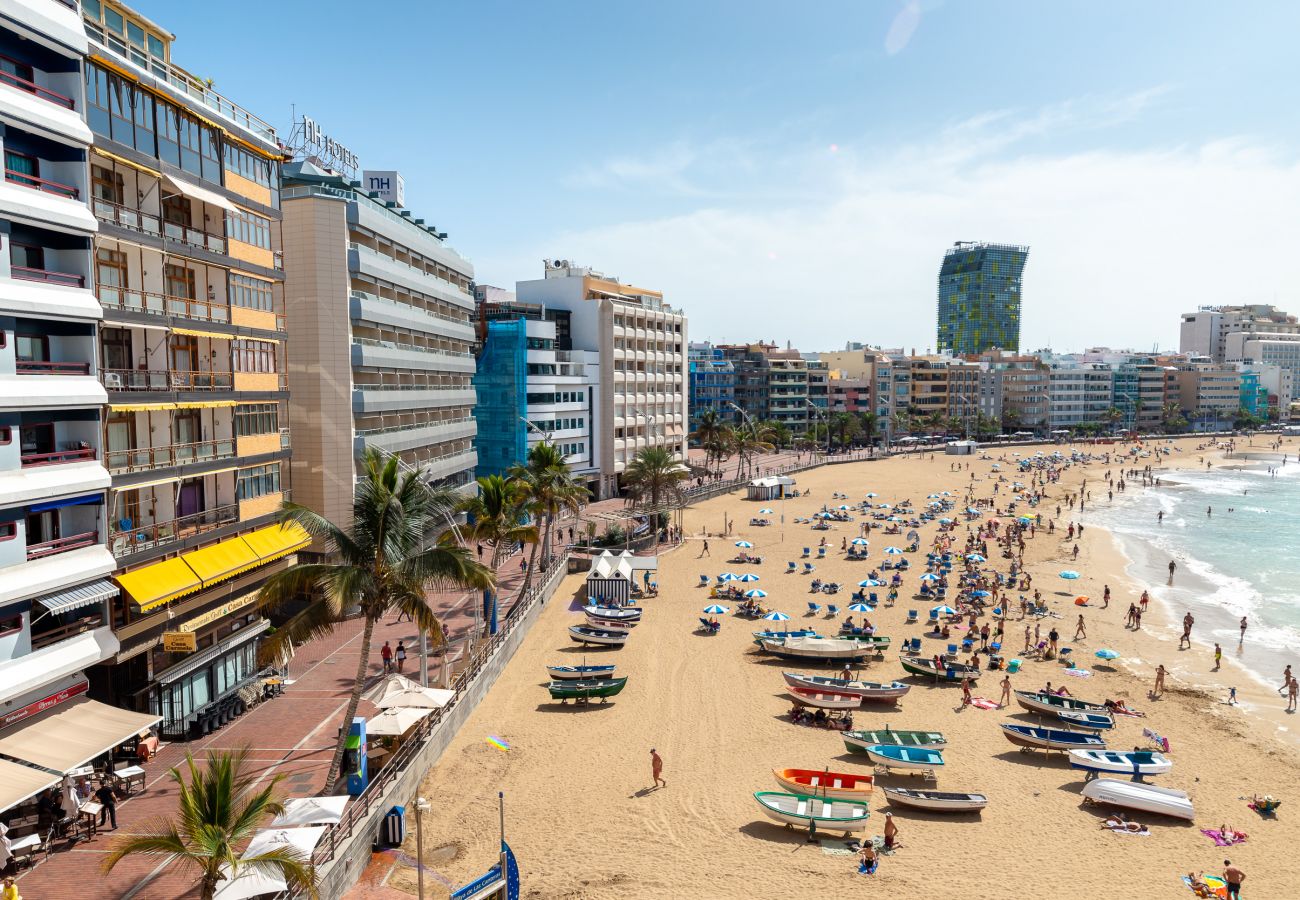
<point>219,612</point>
<point>52,700</point>
<point>179,641</point>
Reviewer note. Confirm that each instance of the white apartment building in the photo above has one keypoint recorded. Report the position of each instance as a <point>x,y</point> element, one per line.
<point>1206,331</point>
<point>641,344</point>
<point>1268,348</point>
<point>1078,393</point>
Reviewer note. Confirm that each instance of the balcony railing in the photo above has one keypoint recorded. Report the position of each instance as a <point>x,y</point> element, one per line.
<point>41,184</point>
<point>195,237</point>
<point>155,304</point>
<point>32,87</point>
<point>146,458</point>
<point>61,545</point>
<point>51,636</point>
<point>44,367</point>
<point>57,457</point>
<point>67,279</point>
<point>166,380</point>
<point>127,537</point>
<point>149,223</point>
<point>392,429</point>
<point>397,345</point>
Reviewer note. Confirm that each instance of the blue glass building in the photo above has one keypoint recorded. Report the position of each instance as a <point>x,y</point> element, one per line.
<point>979,297</point>
<point>713,382</point>
<point>501,386</point>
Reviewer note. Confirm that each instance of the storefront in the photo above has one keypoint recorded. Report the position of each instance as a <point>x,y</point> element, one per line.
<point>206,679</point>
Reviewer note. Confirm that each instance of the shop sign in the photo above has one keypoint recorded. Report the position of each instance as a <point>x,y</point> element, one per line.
<point>180,641</point>
<point>220,612</point>
<point>32,709</point>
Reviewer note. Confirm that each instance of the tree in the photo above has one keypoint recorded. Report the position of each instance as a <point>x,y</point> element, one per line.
<point>749,442</point>
<point>986,426</point>
<point>1011,420</point>
<point>708,433</point>
<point>1172,417</point>
<point>400,544</point>
<point>777,433</point>
<point>902,423</point>
<point>219,808</point>
<point>1112,417</point>
<point>655,475</point>
<point>845,427</point>
<point>546,488</point>
<point>498,517</point>
<point>868,424</point>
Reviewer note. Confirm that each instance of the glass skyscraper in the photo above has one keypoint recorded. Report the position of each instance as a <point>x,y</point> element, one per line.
<point>979,297</point>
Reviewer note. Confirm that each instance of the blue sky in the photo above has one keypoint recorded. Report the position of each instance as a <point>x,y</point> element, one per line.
<point>759,161</point>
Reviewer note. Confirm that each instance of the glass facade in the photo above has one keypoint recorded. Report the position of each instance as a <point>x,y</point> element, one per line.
<point>713,383</point>
<point>501,388</point>
<point>177,701</point>
<point>979,298</point>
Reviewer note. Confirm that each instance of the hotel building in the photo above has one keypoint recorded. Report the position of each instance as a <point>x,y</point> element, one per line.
<point>641,344</point>
<point>382,352</point>
<point>713,383</point>
<point>979,297</point>
<point>185,187</point>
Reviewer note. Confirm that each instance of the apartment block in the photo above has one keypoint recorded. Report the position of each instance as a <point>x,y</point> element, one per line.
<point>713,382</point>
<point>1206,332</point>
<point>1209,394</point>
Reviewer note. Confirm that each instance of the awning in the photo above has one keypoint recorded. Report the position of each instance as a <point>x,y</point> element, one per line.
<point>204,404</point>
<point>19,783</point>
<point>249,882</point>
<point>203,657</point>
<point>152,586</point>
<point>276,541</point>
<point>86,595</point>
<point>72,734</point>
<point>221,561</point>
<point>86,500</point>
<point>215,335</point>
<point>145,484</point>
<point>190,189</point>
<point>140,407</point>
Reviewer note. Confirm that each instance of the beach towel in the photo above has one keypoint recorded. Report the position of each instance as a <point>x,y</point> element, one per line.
<point>1079,673</point>
<point>1221,841</point>
<point>835,847</point>
<point>1216,885</point>
<point>1120,829</point>
<point>983,703</point>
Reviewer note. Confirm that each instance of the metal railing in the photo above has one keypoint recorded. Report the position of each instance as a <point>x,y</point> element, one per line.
<point>32,87</point>
<point>155,304</point>
<point>362,295</point>
<point>397,345</point>
<point>61,545</point>
<point>41,184</point>
<point>151,224</point>
<point>67,279</point>
<point>52,636</point>
<point>55,457</point>
<point>45,367</point>
<point>127,540</point>
<point>352,245</point>
<point>195,237</point>
<point>166,380</point>
<point>145,458</point>
<point>389,429</point>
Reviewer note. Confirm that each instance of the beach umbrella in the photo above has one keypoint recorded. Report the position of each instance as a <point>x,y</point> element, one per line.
<point>1106,653</point>
<point>945,521</point>
<point>844,507</point>
<point>884,506</point>
<point>755,594</point>
<point>943,610</point>
<point>745,544</point>
<point>728,576</point>
<point>872,494</point>
<point>945,493</point>
<point>859,607</point>
<point>894,519</point>
<point>979,593</point>
<point>777,617</point>
<point>748,577</point>
<point>1025,519</point>
<point>765,511</point>
<point>972,510</point>
<point>931,496</point>
<point>717,609</point>
<point>893,551</point>
<point>1069,574</point>
<point>929,576</point>
<point>975,557</point>
<point>859,542</point>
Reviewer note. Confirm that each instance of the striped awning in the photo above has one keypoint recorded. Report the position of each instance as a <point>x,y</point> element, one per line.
<point>88,594</point>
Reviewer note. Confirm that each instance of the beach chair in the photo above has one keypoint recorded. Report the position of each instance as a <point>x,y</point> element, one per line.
<point>704,581</point>
<point>872,599</point>
<point>821,552</point>
<point>934,618</point>
<point>996,646</point>
<point>709,627</point>
<point>911,617</point>
<point>814,608</point>
<point>809,568</point>
<point>952,649</point>
<point>966,645</point>
<point>792,567</point>
<point>832,610</point>
<point>807,552</point>
<point>916,645</point>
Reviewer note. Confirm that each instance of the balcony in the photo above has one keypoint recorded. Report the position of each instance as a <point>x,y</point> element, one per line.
<point>62,545</point>
<point>57,634</point>
<point>133,538</point>
<point>121,462</point>
<point>155,304</point>
<point>57,457</point>
<point>63,279</point>
<point>166,380</point>
<point>32,87</point>
<point>37,183</point>
<point>150,224</point>
<point>45,367</point>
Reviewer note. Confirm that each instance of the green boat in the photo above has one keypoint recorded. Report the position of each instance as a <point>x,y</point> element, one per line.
<point>859,741</point>
<point>951,671</point>
<point>582,691</point>
<point>877,642</point>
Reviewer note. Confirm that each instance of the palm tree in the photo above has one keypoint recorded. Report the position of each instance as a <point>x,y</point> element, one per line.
<point>845,427</point>
<point>400,544</point>
<point>869,423</point>
<point>708,431</point>
<point>902,422</point>
<point>220,808</point>
<point>654,474</point>
<point>546,488</point>
<point>1171,415</point>
<point>498,517</point>
<point>749,442</point>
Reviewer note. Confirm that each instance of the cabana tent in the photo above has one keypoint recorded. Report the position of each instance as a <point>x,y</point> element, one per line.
<point>774,487</point>
<point>610,580</point>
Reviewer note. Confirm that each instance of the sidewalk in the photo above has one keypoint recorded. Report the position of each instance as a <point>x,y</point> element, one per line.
<point>292,735</point>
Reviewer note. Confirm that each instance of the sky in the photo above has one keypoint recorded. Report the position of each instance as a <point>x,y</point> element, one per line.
<point>795,171</point>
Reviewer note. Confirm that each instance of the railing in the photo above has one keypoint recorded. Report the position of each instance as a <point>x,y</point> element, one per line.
<point>52,636</point>
<point>61,545</point>
<point>32,87</point>
<point>148,223</point>
<point>56,457</point>
<point>285,443</point>
<point>155,304</point>
<point>195,237</point>
<point>25,273</point>
<point>388,429</point>
<point>45,367</point>
<point>41,184</point>
<point>133,539</point>
<point>165,380</point>
<point>362,295</point>
<point>397,345</point>
<point>146,458</point>
<point>352,245</point>
<point>324,190</point>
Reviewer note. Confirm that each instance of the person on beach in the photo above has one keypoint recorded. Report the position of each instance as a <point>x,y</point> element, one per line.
<point>965,691</point>
<point>704,551</point>
<point>1233,877</point>
<point>1218,657</point>
<point>1105,597</point>
<point>1144,600</point>
<point>1173,566</point>
<point>1242,639</point>
<point>1286,680</point>
<point>657,768</point>
<point>1160,681</point>
<point>1080,633</point>
<point>891,832</point>
<point>1005,699</point>
<point>1186,638</point>
<point>1292,690</point>
<point>868,859</point>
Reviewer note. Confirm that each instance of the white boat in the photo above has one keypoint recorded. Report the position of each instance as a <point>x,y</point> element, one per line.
<point>627,613</point>
<point>895,756</point>
<point>1122,762</point>
<point>828,815</point>
<point>936,801</point>
<point>867,690</point>
<point>1135,795</point>
<point>824,699</point>
<point>817,648</point>
<point>610,624</point>
<point>1086,720</point>
<point>585,635</point>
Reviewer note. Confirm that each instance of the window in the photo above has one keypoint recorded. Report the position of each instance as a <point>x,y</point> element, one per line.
<point>97,99</point>
<point>179,281</point>
<point>110,273</point>
<point>20,164</point>
<point>258,482</point>
<point>248,165</point>
<point>249,228</point>
<point>189,141</point>
<point>209,149</point>
<point>121,99</point>
<point>253,356</point>
<point>10,624</point>
<point>257,418</point>
<point>143,118</point>
<point>251,293</point>
<point>8,530</point>
<point>6,434</point>
<point>106,184</point>
<point>169,134</point>
<point>176,210</point>
<point>116,343</point>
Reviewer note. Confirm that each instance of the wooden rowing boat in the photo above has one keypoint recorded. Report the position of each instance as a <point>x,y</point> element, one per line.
<point>1050,704</point>
<point>893,756</point>
<point>1051,738</point>
<point>628,613</point>
<point>825,783</point>
<point>624,625</point>
<point>887,692</point>
<point>859,741</point>
<point>1122,762</point>
<point>582,691</point>
<point>823,699</point>
<point>586,635</point>
<point>828,815</point>
<point>1135,795</point>
<point>936,801</point>
<point>584,673</point>
<point>952,672</point>
<point>827,649</point>
<point>760,636</point>
<point>1088,720</point>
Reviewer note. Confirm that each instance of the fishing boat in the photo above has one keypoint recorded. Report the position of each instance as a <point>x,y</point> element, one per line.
<point>936,801</point>
<point>859,741</point>
<point>582,691</point>
<point>868,690</point>
<point>584,634</point>
<point>951,671</point>
<point>879,643</point>
<point>824,783</point>
<point>830,649</point>
<point>1123,762</point>
<point>760,636</point>
<point>1051,704</point>
<point>584,673</point>
<point>1136,795</point>
<point>894,756</point>
<point>1051,738</point>
<point>828,815</point>
<point>1087,720</point>
<point>610,624</point>
<point>824,699</point>
<point>627,613</point>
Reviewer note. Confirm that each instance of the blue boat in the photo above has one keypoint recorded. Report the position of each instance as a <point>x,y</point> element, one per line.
<point>895,756</point>
<point>760,636</point>
<point>1051,738</point>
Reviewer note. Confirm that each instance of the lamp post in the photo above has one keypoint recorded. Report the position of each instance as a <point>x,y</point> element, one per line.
<point>420,806</point>
<point>821,414</point>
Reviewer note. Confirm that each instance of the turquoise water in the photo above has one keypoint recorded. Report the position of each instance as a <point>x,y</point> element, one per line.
<point>1243,560</point>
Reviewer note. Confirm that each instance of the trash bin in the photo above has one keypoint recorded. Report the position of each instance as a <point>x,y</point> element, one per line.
<point>392,831</point>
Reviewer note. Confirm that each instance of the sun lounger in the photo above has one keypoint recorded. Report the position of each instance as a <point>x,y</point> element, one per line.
<point>821,552</point>
<point>832,609</point>
<point>814,608</point>
<point>911,616</point>
<point>809,568</point>
<point>792,567</point>
<point>704,581</point>
<point>807,552</point>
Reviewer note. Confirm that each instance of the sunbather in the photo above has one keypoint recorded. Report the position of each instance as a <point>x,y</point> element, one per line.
<point>1117,823</point>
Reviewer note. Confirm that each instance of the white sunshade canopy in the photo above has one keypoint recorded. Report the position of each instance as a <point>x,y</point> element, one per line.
<point>311,811</point>
<point>72,734</point>
<point>396,721</point>
<point>398,690</point>
<point>19,783</point>
<point>190,189</point>
<point>254,882</point>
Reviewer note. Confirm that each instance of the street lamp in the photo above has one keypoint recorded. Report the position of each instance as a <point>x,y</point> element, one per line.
<point>821,415</point>
<point>421,805</point>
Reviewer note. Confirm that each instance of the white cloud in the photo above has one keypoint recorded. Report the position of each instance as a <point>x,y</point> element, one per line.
<point>903,27</point>
<point>847,246</point>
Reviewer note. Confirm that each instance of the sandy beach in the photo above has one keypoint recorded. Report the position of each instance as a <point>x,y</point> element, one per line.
<point>584,822</point>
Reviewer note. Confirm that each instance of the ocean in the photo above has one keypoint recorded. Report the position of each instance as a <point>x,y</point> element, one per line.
<point>1243,559</point>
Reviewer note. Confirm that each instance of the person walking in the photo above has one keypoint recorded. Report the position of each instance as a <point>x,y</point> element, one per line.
<point>386,654</point>
<point>1173,567</point>
<point>1242,639</point>
<point>965,691</point>
<point>1232,878</point>
<point>400,655</point>
<point>1218,657</point>
<point>657,768</point>
<point>1292,690</point>
<point>704,551</point>
<point>1005,699</point>
<point>1080,633</point>
<point>108,804</point>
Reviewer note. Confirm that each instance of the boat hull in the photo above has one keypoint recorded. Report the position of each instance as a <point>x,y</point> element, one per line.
<point>867,690</point>
<point>827,815</point>
<point>825,699</point>
<point>1143,797</point>
<point>825,783</point>
<point>936,801</point>
<point>916,665</point>
<point>1117,762</point>
<point>627,613</point>
<point>1040,703</point>
<point>892,756</point>
<point>587,690</point>
<point>859,741</point>
<point>580,673</point>
<point>1086,720</point>
<point>610,624</point>
<point>846,651</point>
<point>1051,738</point>
<point>585,635</point>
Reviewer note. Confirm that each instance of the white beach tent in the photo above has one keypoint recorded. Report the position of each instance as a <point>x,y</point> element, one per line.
<point>398,690</point>
<point>771,488</point>
<point>311,811</point>
<point>256,882</point>
<point>396,721</point>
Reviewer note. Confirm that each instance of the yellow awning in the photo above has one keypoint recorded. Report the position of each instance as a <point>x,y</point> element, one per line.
<point>162,582</point>
<point>140,407</point>
<point>204,404</point>
<point>221,561</point>
<point>215,335</point>
<point>276,541</point>
<point>126,162</point>
<point>147,484</point>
